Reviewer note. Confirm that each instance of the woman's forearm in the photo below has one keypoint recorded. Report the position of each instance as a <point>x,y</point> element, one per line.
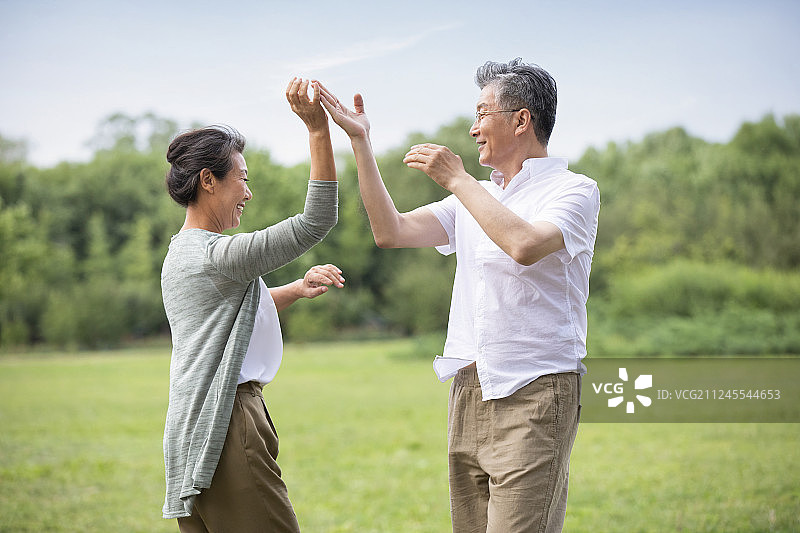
<point>315,282</point>
<point>286,295</point>
<point>323,166</point>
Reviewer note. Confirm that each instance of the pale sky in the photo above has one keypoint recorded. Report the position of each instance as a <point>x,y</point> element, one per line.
<point>623,68</point>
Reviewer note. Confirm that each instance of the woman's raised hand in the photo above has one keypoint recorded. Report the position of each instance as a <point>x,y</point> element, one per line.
<point>355,123</point>
<point>308,109</point>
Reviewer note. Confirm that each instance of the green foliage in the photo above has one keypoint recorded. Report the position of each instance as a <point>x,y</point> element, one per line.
<point>685,289</point>
<point>698,244</point>
<point>31,267</point>
<point>674,195</point>
<point>696,252</point>
<point>693,308</point>
<point>418,295</point>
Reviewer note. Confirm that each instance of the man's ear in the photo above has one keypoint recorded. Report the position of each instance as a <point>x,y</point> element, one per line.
<point>524,122</point>
<point>207,181</point>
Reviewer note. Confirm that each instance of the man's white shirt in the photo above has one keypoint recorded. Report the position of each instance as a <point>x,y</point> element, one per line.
<point>520,322</point>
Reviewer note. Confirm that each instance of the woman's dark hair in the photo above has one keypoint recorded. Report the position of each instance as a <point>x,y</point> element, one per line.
<point>191,152</point>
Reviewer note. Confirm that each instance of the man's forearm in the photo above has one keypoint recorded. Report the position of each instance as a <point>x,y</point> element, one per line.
<point>526,243</point>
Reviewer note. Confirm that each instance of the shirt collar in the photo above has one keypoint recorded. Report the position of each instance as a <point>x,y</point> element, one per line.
<point>534,167</point>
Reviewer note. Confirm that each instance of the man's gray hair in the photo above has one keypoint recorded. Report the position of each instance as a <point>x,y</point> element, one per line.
<point>520,85</point>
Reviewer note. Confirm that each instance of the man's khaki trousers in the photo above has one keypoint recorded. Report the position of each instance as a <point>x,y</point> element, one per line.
<point>509,458</point>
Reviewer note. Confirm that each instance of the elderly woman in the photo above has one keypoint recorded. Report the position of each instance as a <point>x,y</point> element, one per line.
<point>220,445</point>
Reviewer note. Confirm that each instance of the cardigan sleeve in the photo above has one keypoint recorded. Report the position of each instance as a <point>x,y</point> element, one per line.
<point>246,256</point>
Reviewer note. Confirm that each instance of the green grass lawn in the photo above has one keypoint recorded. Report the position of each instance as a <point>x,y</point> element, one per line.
<point>363,449</point>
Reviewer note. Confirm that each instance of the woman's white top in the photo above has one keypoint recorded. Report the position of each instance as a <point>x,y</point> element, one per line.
<point>265,351</point>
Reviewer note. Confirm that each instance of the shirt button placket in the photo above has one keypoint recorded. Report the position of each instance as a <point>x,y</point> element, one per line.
<point>481,321</point>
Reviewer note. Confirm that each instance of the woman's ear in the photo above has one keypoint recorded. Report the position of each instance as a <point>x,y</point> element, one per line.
<point>524,122</point>
<point>207,181</point>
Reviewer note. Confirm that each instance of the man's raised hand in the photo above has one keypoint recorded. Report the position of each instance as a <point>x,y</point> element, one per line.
<point>354,122</point>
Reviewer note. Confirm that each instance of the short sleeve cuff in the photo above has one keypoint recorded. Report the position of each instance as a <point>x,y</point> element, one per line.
<point>446,221</point>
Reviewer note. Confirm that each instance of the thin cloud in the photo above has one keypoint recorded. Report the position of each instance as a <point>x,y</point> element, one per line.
<point>366,50</point>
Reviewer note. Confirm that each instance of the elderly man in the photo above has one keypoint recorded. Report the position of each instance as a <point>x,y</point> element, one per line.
<point>524,242</point>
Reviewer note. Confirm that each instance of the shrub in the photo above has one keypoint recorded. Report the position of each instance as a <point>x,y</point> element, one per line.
<point>689,308</point>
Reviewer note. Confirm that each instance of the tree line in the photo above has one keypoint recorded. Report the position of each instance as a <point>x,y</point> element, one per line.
<point>697,250</point>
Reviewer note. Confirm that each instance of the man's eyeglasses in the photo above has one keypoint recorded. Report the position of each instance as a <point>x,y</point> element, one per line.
<point>479,115</point>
